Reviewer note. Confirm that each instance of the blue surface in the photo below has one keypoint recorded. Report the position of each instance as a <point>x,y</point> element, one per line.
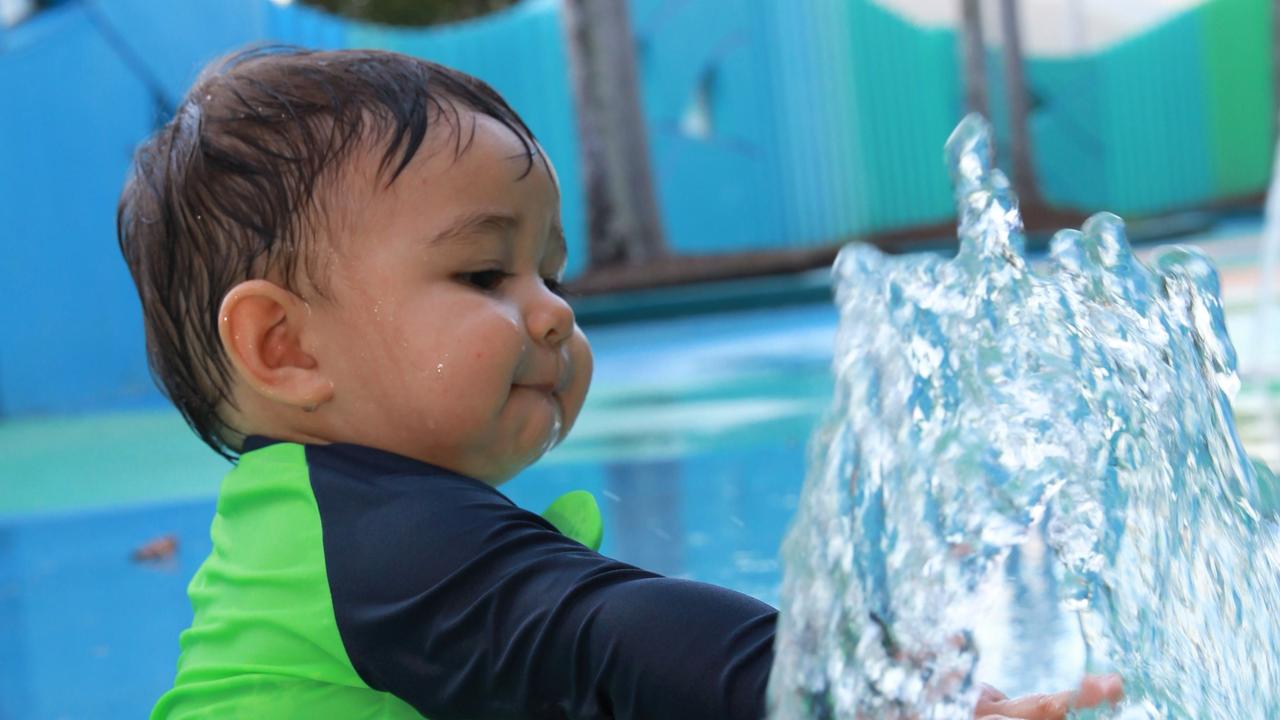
<point>70,311</point>
<point>86,633</point>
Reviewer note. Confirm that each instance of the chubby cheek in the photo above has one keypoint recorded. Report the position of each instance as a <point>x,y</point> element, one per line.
<point>470,369</point>
<point>371,381</point>
<point>583,366</point>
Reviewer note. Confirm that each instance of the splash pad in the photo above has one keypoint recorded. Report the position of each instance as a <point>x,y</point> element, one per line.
<point>980,400</point>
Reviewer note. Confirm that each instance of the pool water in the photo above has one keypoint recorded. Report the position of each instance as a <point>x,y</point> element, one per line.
<point>693,440</point>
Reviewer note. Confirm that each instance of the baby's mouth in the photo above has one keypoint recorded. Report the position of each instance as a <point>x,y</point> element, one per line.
<point>548,388</point>
<point>551,390</point>
<point>552,383</point>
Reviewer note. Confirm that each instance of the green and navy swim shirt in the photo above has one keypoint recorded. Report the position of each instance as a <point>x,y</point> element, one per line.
<point>348,582</point>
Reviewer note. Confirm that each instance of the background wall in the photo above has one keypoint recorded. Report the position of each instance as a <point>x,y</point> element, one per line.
<point>772,125</point>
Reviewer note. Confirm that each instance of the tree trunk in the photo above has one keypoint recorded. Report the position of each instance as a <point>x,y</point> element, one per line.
<point>1024,179</point>
<point>975,59</point>
<point>623,223</point>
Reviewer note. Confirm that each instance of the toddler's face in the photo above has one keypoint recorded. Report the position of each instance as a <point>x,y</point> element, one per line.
<point>443,335</point>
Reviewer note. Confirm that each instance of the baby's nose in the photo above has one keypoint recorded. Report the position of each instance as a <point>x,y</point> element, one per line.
<point>549,317</point>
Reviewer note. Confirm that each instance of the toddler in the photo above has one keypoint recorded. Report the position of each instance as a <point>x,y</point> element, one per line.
<point>349,265</point>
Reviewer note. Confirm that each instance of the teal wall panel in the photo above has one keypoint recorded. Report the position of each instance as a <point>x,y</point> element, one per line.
<point>1163,120</point>
<point>908,100</point>
<point>1153,119</point>
<point>814,64</point>
<point>1240,94</point>
<point>1070,147</point>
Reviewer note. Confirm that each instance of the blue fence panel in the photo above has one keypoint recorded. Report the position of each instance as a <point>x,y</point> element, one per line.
<point>81,86</point>
<point>172,41</point>
<point>300,25</point>
<point>710,109</point>
<point>72,332</point>
<point>813,69</point>
<point>778,125</point>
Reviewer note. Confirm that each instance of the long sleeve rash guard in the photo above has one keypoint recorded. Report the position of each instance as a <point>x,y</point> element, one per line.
<point>351,582</point>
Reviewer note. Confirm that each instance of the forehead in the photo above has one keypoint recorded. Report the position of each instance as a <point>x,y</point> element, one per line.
<point>473,154</point>
<point>468,162</point>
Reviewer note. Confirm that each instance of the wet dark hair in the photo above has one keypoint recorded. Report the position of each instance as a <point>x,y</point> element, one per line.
<point>233,188</point>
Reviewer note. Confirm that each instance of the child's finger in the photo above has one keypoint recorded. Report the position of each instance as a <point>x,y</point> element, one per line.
<point>990,695</point>
<point>1094,690</point>
<point>1034,707</point>
<point>987,701</point>
<point>1097,689</point>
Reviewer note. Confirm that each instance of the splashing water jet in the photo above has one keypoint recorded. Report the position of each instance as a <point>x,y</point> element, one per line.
<point>979,399</point>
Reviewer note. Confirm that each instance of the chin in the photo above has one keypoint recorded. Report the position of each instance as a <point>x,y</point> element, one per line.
<point>516,466</point>
<point>500,476</point>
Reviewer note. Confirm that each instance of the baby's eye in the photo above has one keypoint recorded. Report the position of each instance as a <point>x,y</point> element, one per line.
<point>555,286</point>
<point>484,279</point>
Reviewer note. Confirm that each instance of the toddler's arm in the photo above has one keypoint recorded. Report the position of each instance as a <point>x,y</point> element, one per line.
<point>465,606</point>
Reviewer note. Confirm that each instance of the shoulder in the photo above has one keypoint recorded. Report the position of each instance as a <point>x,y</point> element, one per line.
<point>396,526</point>
<point>359,482</point>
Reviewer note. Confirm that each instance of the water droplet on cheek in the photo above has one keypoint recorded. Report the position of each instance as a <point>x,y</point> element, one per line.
<point>439,368</point>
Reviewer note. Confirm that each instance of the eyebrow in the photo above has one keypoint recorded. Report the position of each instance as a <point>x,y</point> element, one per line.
<point>489,221</point>
<point>475,222</point>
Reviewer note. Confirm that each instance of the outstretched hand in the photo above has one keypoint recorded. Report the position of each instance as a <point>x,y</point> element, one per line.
<point>1094,690</point>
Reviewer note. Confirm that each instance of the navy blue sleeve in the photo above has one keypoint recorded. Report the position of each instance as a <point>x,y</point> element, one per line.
<point>465,606</point>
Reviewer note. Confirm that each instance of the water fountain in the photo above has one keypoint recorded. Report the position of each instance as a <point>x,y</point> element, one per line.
<point>982,400</point>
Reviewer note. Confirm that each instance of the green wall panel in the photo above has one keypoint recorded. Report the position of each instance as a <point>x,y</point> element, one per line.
<point>1239,93</point>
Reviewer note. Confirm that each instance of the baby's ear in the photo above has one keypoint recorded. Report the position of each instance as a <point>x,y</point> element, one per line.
<point>262,327</point>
